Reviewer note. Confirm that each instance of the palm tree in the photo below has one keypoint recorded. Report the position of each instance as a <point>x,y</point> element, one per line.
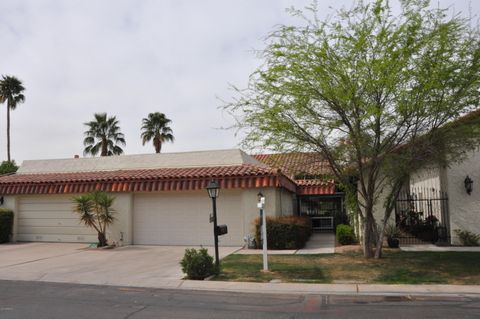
<point>11,90</point>
<point>155,127</point>
<point>104,136</point>
<point>95,210</point>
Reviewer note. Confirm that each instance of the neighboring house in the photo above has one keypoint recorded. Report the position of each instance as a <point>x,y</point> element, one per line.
<point>160,198</point>
<point>441,192</point>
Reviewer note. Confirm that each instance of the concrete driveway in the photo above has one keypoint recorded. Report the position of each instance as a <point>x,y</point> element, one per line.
<point>145,266</point>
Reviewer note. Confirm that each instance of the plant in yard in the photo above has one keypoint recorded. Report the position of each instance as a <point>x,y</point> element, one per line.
<point>393,234</point>
<point>103,136</point>
<point>156,128</point>
<point>284,232</point>
<point>345,234</point>
<point>373,92</point>
<point>467,238</point>
<point>11,91</point>
<point>198,264</point>
<point>8,167</point>
<point>95,210</point>
<point>6,224</point>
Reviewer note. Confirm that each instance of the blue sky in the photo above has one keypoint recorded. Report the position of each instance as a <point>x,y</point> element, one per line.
<point>130,58</point>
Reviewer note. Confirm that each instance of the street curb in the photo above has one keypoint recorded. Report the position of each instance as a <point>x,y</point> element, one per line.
<point>332,289</point>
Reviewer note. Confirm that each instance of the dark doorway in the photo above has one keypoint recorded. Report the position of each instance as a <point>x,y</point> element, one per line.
<point>326,211</point>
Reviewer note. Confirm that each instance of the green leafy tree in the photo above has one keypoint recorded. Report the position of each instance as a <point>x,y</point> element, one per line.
<point>371,91</point>
<point>103,136</point>
<point>11,92</point>
<point>156,128</point>
<point>8,167</point>
<point>95,211</point>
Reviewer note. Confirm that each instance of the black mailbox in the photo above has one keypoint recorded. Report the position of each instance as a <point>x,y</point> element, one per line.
<point>222,230</point>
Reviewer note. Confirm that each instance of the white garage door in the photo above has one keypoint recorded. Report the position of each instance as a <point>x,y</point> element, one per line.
<point>182,218</point>
<point>51,218</point>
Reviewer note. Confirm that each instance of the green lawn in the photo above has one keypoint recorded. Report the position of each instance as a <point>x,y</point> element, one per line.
<point>394,268</point>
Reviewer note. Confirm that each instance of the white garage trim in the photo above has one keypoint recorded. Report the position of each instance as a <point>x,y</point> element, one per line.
<point>51,219</point>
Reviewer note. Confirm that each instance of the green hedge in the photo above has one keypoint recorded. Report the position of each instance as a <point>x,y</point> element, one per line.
<point>345,234</point>
<point>285,232</point>
<point>6,224</point>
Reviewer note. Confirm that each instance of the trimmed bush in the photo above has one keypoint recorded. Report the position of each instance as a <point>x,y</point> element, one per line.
<point>6,224</point>
<point>285,232</point>
<point>345,234</point>
<point>467,238</point>
<point>197,264</point>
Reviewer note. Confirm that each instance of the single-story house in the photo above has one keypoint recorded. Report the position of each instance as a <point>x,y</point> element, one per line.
<point>161,199</point>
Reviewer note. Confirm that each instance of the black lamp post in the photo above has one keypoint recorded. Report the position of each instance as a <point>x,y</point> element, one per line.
<point>468,185</point>
<point>213,190</point>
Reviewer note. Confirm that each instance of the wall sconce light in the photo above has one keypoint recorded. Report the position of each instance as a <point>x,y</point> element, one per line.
<point>1,200</point>
<point>468,185</point>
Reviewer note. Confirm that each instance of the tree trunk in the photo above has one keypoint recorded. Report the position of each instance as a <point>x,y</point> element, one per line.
<point>381,236</point>
<point>368,235</point>
<point>102,239</point>
<point>104,148</point>
<point>158,145</point>
<point>8,132</point>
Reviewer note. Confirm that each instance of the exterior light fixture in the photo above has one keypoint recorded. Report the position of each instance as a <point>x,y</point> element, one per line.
<point>1,200</point>
<point>213,190</point>
<point>468,185</point>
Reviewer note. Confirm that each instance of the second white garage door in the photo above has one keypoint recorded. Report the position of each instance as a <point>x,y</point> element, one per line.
<point>182,218</point>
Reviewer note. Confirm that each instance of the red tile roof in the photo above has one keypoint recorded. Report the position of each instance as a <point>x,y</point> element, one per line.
<point>297,165</point>
<point>144,180</point>
<point>315,187</point>
<point>308,170</point>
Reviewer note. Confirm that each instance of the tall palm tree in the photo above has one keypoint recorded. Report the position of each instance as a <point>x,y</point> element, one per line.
<point>104,136</point>
<point>11,90</point>
<point>155,127</point>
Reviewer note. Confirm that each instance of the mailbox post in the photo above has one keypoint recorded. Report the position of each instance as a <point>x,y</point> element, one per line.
<point>213,190</point>
<point>263,219</point>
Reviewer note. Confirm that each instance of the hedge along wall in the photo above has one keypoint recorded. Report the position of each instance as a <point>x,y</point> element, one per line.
<point>285,232</point>
<point>6,224</point>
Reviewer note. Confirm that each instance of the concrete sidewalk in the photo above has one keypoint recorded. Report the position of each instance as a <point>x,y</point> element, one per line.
<point>430,247</point>
<point>319,243</point>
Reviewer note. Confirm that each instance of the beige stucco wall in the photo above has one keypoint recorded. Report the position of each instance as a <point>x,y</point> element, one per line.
<point>121,232</point>
<point>241,201</point>
<point>426,178</point>
<point>464,209</point>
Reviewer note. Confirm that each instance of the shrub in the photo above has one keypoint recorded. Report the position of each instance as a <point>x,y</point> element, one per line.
<point>197,264</point>
<point>285,232</point>
<point>467,238</point>
<point>8,167</point>
<point>6,224</point>
<point>345,234</point>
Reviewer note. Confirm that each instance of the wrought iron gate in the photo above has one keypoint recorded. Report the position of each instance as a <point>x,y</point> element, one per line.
<point>422,216</point>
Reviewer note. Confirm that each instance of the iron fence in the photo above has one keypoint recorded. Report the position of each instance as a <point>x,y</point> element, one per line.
<point>422,216</point>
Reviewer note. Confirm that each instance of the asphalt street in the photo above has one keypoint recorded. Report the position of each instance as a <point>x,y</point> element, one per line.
<point>42,300</point>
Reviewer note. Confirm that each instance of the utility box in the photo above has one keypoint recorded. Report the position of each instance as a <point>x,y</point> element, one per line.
<point>221,230</point>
